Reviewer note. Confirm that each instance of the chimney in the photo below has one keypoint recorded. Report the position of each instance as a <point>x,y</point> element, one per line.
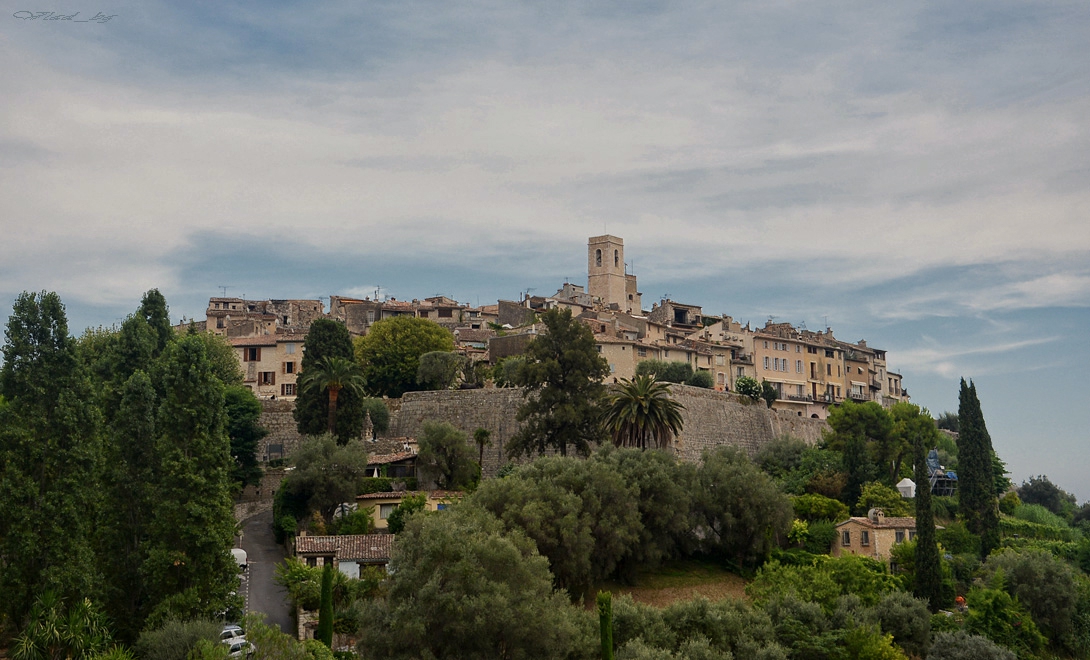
<point>877,516</point>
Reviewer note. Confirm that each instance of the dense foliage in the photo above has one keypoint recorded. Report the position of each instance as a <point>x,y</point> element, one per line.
<point>325,339</point>
<point>391,351</point>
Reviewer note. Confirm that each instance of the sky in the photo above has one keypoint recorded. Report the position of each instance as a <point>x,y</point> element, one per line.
<point>915,174</point>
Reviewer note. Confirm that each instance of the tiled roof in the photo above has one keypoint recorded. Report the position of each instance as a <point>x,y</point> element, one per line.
<point>435,494</point>
<point>262,340</point>
<point>383,459</point>
<point>349,547</point>
<point>471,334</point>
<point>900,523</point>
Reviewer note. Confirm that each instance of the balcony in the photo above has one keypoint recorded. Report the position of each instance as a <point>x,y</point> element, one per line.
<point>858,396</point>
<point>742,359</point>
<point>805,398</point>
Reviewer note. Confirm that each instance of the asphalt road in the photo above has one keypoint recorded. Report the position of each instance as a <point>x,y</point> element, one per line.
<point>263,554</point>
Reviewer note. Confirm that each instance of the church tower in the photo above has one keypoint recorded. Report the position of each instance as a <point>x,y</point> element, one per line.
<point>606,272</point>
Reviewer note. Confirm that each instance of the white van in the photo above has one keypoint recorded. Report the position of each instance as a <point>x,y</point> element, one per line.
<point>240,557</point>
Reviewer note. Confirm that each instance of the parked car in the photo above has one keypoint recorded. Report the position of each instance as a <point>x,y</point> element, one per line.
<point>232,632</point>
<point>240,648</point>
<point>240,557</point>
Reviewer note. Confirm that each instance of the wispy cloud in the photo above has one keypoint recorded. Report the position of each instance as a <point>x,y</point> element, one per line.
<point>948,361</point>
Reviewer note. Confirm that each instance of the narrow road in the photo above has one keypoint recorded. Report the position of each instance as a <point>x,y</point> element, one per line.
<point>263,554</point>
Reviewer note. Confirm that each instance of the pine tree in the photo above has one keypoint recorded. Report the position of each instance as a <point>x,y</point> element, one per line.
<point>154,311</point>
<point>976,484</point>
<point>189,570</point>
<point>50,456</point>
<point>327,338</point>
<point>564,394</point>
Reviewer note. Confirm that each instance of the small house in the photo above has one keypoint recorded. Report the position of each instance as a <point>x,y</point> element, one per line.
<point>873,536</point>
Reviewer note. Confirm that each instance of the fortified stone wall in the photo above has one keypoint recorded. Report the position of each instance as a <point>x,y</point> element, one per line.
<point>710,419</point>
<point>276,418</point>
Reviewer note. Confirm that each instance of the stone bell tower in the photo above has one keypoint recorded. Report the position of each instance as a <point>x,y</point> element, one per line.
<point>606,273</point>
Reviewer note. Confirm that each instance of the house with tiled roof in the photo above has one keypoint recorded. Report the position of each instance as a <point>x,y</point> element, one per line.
<point>348,552</point>
<point>384,503</point>
<point>872,536</point>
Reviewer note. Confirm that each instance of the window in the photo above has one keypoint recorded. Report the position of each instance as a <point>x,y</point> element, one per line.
<point>289,349</point>
<point>616,259</point>
<point>446,313</point>
<point>798,366</point>
<point>598,347</point>
<point>641,352</point>
<point>828,370</point>
<point>289,367</point>
<point>900,536</point>
<point>440,506</point>
<point>798,348</point>
<point>219,323</point>
<point>766,344</point>
<point>597,257</point>
<point>384,510</point>
<point>741,371</point>
<point>266,378</point>
<point>720,360</point>
<point>775,364</point>
<point>721,378</point>
<point>251,355</point>
<point>828,353</point>
<point>287,389</point>
<point>811,349</point>
<point>370,316</point>
<point>846,538</point>
<point>911,535</point>
<point>766,362</point>
<point>864,538</point>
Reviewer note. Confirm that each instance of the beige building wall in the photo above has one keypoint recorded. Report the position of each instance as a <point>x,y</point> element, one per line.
<point>270,365</point>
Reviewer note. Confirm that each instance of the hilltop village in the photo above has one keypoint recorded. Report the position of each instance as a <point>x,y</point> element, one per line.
<point>810,371</point>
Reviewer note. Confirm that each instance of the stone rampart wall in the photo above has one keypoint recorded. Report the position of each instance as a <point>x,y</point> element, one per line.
<point>710,419</point>
<point>277,419</point>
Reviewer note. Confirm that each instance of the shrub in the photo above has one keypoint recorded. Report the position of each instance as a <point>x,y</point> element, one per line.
<point>1032,530</point>
<point>822,535</point>
<point>670,372</point>
<point>360,521</point>
<point>812,507</point>
<point>1041,583</point>
<point>1009,503</point>
<point>748,387</point>
<point>781,456</point>
<point>409,506</point>
<point>701,378</point>
<point>175,639</point>
<point>945,507</point>
<point>878,495</point>
<point>904,617</point>
<point>997,616</point>
<point>960,645</point>
<point>1035,513</point>
<point>957,539</point>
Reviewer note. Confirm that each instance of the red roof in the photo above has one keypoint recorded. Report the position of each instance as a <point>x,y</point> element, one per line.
<point>348,547</point>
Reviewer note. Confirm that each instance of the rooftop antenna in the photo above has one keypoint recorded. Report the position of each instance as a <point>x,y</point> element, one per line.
<point>666,296</point>
<point>224,289</point>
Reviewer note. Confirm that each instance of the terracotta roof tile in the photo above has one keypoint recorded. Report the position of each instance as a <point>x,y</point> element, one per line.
<point>348,547</point>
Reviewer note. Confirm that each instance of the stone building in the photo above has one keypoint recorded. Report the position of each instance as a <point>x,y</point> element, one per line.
<point>873,536</point>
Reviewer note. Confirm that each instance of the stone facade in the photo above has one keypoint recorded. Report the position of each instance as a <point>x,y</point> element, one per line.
<point>283,438</point>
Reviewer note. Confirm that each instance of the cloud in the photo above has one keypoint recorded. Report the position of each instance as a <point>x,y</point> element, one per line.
<point>948,361</point>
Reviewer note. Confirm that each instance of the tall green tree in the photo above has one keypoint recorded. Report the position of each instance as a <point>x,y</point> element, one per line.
<point>243,411</point>
<point>154,311</point>
<point>445,456</point>
<point>325,475</point>
<point>333,375</point>
<point>189,570</point>
<point>917,427</point>
<point>324,633</point>
<point>564,393</point>
<point>640,413</point>
<point>439,370</point>
<point>464,587</point>
<point>50,457</point>
<point>976,473</point>
<point>391,350</point>
<point>742,512</point>
<point>327,338</point>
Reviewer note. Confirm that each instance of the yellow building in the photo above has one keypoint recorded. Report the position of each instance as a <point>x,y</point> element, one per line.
<point>384,503</point>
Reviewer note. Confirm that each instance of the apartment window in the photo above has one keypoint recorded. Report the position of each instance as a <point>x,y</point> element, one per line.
<point>721,377</point>
<point>798,348</point>
<point>838,390</point>
<point>219,323</point>
<point>289,349</point>
<point>446,313</point>
<point>846,539</point>
<point>775,364</point>
<point>598,347</point>
<point>384,510</point>
<point>864,538</point>
<point>287,389</point>
<point>741,371</point>
<point>720,360</point>
<point>813,370</point>
<point>828,353</point>
<point>798,366</point>
<point>838,370</point>
<point>251,355</point>
<point>370,316</point>
<point>289,367</point>
<point>641,352</point>
<point>828,370</point>
<point>766,362</point>
<point>266,378</point>
<point>900,535</point>
<point>911,535</point>
<point>766,344</point>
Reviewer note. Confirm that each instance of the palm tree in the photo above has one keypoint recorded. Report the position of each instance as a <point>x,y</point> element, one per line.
<point>640,413</point>
<point>333,374</point>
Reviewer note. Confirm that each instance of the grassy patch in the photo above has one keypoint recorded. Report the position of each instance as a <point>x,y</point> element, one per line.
<point>682,580</point>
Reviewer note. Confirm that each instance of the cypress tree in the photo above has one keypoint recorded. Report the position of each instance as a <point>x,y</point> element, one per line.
<point>976,488</point>
<point>605,623</point>
<point>928,569</point>
<point>189,571</point>
<point>324,633</point>
<point>327,338</point>
<point>50,458</point>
